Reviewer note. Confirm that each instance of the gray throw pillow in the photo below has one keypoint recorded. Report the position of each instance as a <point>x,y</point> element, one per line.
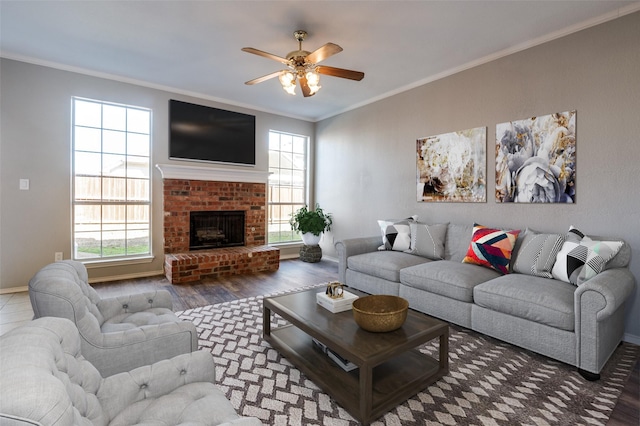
<point>537,253</point>
<point>428,240</point>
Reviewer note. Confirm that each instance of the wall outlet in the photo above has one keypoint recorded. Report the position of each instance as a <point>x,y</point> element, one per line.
<point>58,256</point>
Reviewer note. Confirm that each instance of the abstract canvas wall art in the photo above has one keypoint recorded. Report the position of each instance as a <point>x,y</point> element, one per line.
<point>451,167</point>
<point>536,159</point>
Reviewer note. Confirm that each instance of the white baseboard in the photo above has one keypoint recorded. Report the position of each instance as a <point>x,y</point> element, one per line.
<point>631,338</point>
<point>126,276</point>
<point>289,256</point>
<point>14,290</point>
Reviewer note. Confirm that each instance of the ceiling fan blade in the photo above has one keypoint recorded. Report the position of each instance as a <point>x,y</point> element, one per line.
<point>306,90</point>
<point>341,72</point>
<point>263,78</point>
<point>323,52</point>
<point>266,55</point>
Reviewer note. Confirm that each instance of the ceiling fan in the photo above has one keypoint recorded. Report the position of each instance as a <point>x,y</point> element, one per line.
<point>303,67</point>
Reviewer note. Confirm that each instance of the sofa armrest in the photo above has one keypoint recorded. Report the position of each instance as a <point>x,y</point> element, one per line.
<point>118,351</point>
<point>612,287</point>
<point>119,391</point>
<point>352,247</point>
<point>136,302</point>
<point>599,323</point>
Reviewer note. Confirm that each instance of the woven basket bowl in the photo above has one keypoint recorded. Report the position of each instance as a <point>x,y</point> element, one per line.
<point>380,313</point>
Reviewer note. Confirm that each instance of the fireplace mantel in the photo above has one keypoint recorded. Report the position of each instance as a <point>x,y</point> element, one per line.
<point>173,171</point>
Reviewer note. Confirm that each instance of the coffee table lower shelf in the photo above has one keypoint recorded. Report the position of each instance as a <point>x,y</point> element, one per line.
<point>390,383</point>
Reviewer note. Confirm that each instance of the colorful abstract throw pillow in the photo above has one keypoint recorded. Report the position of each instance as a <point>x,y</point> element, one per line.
<point>491,248</point>
<point>582,258</point>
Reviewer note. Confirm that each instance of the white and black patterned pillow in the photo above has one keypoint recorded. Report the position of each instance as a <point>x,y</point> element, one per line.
<point>582,258</point>
<point>537,253</point>
<point>396,234</point>
<point>428,240</point>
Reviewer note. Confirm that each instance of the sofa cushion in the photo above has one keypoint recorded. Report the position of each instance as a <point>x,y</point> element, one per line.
<point>541,300</point>
<point>447,278</point>
<point>491,248</point>
<point>428,240</point>
<point>537,253</point>
<point>457,242</point>
<point>582,258</point>
<point>384,264</point>
<point>131,320</point>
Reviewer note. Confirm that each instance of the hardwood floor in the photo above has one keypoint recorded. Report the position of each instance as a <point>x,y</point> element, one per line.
<point>293,274</point>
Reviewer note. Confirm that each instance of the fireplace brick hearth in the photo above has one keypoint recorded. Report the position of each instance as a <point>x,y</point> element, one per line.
<point>182,196</point>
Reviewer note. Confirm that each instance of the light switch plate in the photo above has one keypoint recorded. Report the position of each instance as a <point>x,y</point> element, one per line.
<point>24,184</point>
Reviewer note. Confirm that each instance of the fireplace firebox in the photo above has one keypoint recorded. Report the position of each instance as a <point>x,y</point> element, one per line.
<point>216,229</point>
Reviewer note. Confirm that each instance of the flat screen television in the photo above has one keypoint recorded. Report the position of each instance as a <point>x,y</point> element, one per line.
<point>201,133</point>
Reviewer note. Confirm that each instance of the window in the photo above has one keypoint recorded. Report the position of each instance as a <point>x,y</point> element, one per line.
<point>287,183</point>
<point>111,180</point>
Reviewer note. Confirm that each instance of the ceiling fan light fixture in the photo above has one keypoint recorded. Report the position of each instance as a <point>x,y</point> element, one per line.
<point>302,67</point>
<point>313,80</point>
<point>288,82</point>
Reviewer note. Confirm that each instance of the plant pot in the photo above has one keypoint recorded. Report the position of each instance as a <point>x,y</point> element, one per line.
<point>311,240</point>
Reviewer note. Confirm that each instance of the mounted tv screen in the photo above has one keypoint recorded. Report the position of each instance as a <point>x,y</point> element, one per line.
<point>200,133</point>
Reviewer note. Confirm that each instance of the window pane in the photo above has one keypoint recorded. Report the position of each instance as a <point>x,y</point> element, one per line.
<point>114,165</point>
<point>298,178</point>
<point>87,139</point>
<point>114,243</point>
<point>137,190</point>
<point>274,141</point>
<point>299,162</point>
<point>88,188</point>
<point>114,142</point>
<point>138,144</point>
<point>299,145</point>
<point>88,114</point>
<point>114,189</point>
<point>298,196</point>
<point>114,117</point>
<point>138,167</point>
<point>274,159</point>
<point>87,163</point>
<point>138,121</point>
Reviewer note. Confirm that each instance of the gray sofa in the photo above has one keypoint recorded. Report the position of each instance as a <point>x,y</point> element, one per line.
<point>118,333</point>
<point>45,380</point>
<point>578,325</point>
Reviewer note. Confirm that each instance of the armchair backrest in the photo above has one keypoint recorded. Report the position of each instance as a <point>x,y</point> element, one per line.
<point>61,289</point>
<point>45,378</point>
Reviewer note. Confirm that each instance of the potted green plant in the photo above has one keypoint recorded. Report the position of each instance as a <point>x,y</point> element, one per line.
<point>311,224</point>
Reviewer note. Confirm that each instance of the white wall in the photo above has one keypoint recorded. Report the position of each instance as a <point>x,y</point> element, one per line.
<point>365,158</point>
<point>35,113</point>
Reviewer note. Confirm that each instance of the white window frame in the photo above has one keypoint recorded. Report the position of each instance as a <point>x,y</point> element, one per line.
<point>134,183</point>
<point>277,182</point>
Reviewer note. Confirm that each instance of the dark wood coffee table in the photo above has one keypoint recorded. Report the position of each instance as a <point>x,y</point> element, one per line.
<point>391,368</point>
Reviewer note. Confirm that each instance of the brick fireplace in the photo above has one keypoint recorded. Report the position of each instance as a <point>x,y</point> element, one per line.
<point>198,189</point>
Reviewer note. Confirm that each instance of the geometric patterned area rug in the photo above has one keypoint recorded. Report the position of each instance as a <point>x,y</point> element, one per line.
<point>489,383</point>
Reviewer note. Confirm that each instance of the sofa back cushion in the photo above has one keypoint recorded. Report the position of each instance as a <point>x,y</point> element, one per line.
<point>44,377</point>
<point>457,242</point>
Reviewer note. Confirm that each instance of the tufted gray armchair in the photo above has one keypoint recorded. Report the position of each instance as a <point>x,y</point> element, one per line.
<point>118,333</point>
<point>45,380</point>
